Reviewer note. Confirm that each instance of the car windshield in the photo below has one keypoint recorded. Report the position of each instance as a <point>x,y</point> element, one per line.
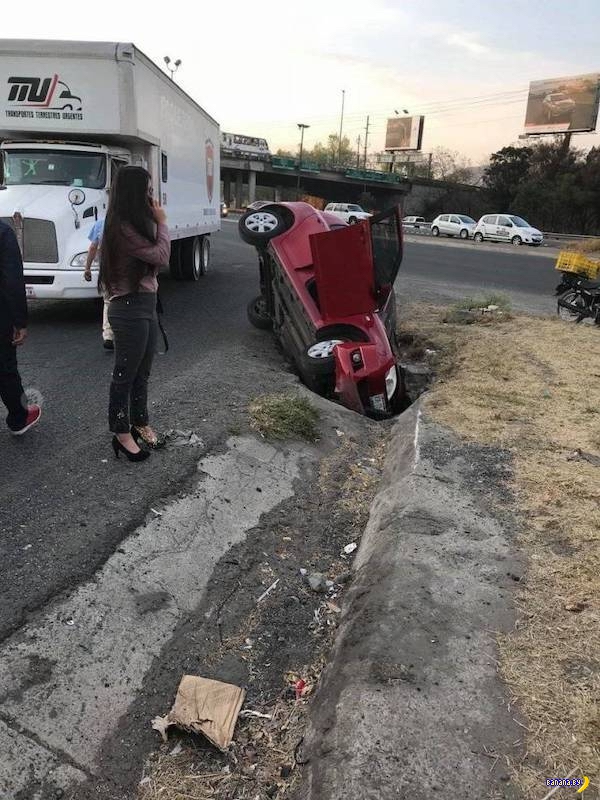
<point>520,222</point>
<point>54,167</point>
<point>468,220</point>
<point>354,208</point>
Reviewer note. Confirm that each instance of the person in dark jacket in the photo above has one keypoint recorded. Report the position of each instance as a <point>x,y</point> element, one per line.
<point>13,332</point>
<point>135,244</point>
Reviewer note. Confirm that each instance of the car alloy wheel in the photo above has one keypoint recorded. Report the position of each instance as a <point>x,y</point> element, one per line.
<point>516,241</point>
<point>321,350</point>
<point>478,237</point>
<point>435,231</point>
<point>261,222</point>
<point>464,234</point>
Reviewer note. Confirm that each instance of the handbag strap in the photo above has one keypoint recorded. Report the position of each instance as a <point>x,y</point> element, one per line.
<point>159,312</point>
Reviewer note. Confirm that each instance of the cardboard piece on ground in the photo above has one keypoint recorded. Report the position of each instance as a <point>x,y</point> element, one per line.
<point>204,706</point>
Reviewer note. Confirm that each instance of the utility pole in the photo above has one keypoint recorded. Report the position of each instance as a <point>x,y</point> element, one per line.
<point>341,126</point>
<point>302,127</point>
<point>358,152</point>
<point>366,142</point>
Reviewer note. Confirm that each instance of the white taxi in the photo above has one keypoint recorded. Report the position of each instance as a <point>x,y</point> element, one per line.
<point>507,228</point>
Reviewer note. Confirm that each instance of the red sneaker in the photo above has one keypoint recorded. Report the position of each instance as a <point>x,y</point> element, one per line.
<point>33,417</point>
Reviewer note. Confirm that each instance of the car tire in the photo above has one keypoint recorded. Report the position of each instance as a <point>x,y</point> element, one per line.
<point>352,220</point>
<point>478,237</point>
<point>318,373</point>
<point>259,227</point>
<point>191,258</point>
<point>516,241</point>
<point>435,231</point>
<point>464,234</point>
<point>258,315</point>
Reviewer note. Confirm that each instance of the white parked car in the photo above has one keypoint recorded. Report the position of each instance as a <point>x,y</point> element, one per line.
<point>453,225</point>
<point>507,228</point>
<point>349,212</point>
<point>414,222</point>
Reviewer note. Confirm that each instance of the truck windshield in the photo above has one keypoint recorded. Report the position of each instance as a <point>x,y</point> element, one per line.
<point>54,167</point>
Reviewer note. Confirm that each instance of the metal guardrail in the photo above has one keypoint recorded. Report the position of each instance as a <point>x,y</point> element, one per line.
<point>570,237</point>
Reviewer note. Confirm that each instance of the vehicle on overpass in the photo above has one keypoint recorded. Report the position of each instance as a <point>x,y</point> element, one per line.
<point>459,225</point>
<point>78,112</point>
<point>247,147</point>
<point>507,228</point>
<point>327,294</point>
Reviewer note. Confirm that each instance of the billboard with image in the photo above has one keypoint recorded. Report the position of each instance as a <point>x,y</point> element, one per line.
<point>404,133</point>
<point>560,105</point>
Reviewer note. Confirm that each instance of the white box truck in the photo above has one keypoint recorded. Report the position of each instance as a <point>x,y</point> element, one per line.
<point>71,114</point>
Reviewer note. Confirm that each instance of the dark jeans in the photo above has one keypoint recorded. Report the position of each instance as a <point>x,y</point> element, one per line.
<point>11,388</point>
<point>134,324</point>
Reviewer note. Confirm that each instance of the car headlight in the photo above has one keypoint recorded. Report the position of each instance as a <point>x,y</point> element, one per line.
<point>79,261</point>
<point>391,381</point>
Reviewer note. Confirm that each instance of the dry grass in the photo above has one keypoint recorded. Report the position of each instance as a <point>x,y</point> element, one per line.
<point>532,386</point>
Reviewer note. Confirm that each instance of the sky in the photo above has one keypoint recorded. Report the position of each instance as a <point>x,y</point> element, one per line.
<point>260,69</point>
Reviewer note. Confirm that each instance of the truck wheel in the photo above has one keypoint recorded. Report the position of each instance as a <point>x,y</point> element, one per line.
<point>175,261</point>
<point>191,258</point>
<point>204,255</point>
<point>258,227</point>
<point>258,314</point>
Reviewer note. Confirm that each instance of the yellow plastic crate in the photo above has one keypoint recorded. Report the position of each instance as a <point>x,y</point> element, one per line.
<point>569,261</point>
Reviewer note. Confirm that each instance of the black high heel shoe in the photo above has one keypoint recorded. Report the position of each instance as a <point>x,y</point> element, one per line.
<point>118,447</point>
<point>141,441</point>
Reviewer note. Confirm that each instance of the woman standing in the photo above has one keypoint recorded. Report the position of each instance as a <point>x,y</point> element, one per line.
<point>135,245</point>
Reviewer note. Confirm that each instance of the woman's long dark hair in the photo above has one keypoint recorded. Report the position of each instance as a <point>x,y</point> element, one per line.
<point>129,203</point>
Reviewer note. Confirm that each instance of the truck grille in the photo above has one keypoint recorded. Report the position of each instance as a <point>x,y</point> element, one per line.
<point>39,240</point>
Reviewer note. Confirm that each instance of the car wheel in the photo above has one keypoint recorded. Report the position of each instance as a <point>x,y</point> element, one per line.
<point>258,227</point>
<point>464,234</point>
<point>204,255</point>
<point>258,315</point>
<point>435,231</point>
<point>516,241</point>
<point>352,220</point>
<point>478,237</point>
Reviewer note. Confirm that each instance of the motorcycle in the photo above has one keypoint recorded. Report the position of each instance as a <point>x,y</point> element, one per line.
<point>580,301</point>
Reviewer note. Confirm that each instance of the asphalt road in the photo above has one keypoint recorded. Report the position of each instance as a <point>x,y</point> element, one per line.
<point>66,504</point>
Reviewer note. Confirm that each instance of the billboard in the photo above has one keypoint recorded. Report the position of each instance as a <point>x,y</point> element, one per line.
<point>563,104</point>
<point>404,133</point>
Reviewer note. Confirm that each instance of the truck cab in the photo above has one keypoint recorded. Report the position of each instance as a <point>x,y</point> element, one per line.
<point>51,194</point>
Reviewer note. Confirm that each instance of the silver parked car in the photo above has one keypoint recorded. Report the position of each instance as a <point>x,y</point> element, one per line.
<point>453,225</point>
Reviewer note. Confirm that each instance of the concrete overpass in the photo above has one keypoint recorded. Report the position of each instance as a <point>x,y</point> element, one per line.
<point>241,178</point>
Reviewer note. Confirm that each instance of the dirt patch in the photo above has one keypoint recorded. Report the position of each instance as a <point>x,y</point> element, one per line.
<point>268,646</point>
<point>530,386</point>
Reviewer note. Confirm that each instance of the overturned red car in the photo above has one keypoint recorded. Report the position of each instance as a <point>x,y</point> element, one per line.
<point>327,294</point>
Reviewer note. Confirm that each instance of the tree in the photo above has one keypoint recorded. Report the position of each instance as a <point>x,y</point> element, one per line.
<point>448,165</point>
<point>330,154</point>
<point>508,168</point>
